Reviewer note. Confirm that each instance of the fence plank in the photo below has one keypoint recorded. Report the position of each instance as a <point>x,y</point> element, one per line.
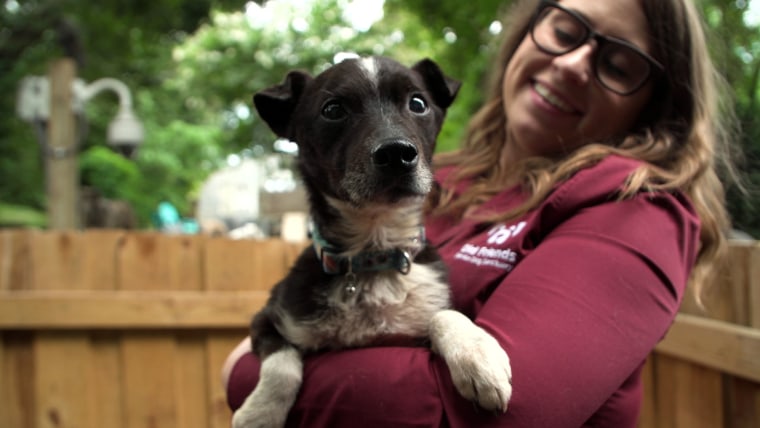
<point>689,396</point>
<point>6,258</point>
<point>753,288</point>
<point>127,309</point>
<point>247,265</point>
<point>218,347</point>
<point>732,302</point>
<point>743,403</point>
<point>100,248</point>
<point>648,415</point>
<point>15,263</point>
<point>61,255</point>
<point>61,359</point>
<point>148,367</point>
<point>224,266</point>
<point>148,358</point>
<point>229,266</point>
<point>192,409</point>
<point>62,380</point>
<point>17,375</point>
<point>106,379</point>
<point>186,253</point>
<point>143,263</point>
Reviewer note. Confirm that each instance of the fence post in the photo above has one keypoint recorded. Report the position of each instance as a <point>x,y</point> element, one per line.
<point>61,153</point>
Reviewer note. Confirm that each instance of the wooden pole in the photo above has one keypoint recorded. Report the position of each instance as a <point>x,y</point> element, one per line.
<point>61,152</point>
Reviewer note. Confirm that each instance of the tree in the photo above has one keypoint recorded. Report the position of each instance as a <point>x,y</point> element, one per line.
<point>735,47</point>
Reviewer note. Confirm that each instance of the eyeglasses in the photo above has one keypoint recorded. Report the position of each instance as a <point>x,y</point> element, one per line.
<point>618,65</point>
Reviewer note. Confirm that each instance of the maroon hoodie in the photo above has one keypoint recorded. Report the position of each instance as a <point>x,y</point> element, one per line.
<point>578,291</point>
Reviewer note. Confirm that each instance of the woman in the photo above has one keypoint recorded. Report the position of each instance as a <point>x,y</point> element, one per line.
<point>584,199</point>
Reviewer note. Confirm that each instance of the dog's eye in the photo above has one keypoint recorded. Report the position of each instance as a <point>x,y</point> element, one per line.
<point>417,104</point>
<point>333,110</point>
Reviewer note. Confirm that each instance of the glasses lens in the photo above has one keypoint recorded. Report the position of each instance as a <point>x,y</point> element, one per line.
<point>621,68</point>
<point>558,32</point>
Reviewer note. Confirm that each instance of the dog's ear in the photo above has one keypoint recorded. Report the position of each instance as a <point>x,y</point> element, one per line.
<point>277,103</point>
<point>443,88</point>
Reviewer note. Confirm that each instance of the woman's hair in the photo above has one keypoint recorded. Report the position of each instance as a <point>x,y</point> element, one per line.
<point>683,134</point>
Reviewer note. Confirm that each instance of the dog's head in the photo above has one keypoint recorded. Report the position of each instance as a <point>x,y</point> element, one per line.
<point>365,128</point>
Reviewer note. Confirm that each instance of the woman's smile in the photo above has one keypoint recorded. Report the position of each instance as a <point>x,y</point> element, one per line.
<point>554,99</point>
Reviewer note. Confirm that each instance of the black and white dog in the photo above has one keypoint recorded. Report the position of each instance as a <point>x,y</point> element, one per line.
<point>366,130</point>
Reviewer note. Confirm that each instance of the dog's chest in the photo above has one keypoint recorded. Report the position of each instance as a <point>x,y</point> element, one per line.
<point>379,306</point>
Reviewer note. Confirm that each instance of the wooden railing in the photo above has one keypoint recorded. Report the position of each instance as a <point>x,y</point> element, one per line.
<point>122,330</point>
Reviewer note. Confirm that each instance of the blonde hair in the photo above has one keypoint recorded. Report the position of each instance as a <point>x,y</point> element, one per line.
<point>682,136</point>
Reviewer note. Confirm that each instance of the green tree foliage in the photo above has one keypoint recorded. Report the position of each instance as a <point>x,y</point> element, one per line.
<point>465,27</point>
<point>193,66</point>
<point>111,39</point>
<point>735,46</point>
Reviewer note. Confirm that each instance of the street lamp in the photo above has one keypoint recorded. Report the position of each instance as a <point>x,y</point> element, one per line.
<point>125,132</point>
<point>54,104</point>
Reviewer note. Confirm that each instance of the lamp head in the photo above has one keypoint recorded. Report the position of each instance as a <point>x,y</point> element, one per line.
<point>125,132</point>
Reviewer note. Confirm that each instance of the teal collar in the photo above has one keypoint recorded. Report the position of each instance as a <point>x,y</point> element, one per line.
<point>334,262</point>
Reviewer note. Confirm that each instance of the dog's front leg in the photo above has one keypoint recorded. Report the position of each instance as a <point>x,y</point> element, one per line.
<point>279,381</point>
<point>479,366</point>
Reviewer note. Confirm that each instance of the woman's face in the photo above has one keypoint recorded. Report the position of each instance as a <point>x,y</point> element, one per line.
<point>555,104</point>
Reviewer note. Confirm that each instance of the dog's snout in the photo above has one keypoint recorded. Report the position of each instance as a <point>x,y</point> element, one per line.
<point>395,156</point>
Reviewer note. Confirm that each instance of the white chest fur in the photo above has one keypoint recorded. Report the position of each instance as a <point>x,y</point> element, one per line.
<point>386,304</point>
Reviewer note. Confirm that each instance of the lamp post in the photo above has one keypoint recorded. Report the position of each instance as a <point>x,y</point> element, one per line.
<point>52,105</point>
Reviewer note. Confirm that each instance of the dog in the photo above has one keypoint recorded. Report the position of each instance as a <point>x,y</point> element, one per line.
<point>366,130</point>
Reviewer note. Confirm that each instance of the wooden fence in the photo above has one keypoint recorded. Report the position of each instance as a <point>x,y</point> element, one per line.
<point>121,330</point>
<point>706,373</point>
<point>115,329</point>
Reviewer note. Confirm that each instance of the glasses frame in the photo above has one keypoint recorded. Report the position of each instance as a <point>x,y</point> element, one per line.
<point>601,40</point>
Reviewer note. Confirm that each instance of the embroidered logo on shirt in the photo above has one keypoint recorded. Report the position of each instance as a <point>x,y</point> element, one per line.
<point>485,255</point>
<point>500,233</point>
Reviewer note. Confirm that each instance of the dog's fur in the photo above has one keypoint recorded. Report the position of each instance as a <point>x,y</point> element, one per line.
<point>366,131</point>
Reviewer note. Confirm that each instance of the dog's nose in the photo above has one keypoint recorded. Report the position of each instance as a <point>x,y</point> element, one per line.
<point>395,156</point>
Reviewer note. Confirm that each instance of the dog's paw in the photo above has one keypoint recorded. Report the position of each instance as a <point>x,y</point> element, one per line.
<point>479,366</point>
<point>269,403</point>
<point>482,373</point>
<point>269,415</point>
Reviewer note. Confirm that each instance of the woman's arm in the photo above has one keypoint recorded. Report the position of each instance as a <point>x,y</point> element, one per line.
<point>240,351</point>
<point>366,387</point>
<point>581,312</point>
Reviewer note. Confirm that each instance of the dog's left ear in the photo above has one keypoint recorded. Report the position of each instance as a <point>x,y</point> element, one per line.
<point>443,88</point>
<point>277,103</point>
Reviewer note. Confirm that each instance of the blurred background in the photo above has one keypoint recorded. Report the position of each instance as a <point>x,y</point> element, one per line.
<point>205,161</point>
